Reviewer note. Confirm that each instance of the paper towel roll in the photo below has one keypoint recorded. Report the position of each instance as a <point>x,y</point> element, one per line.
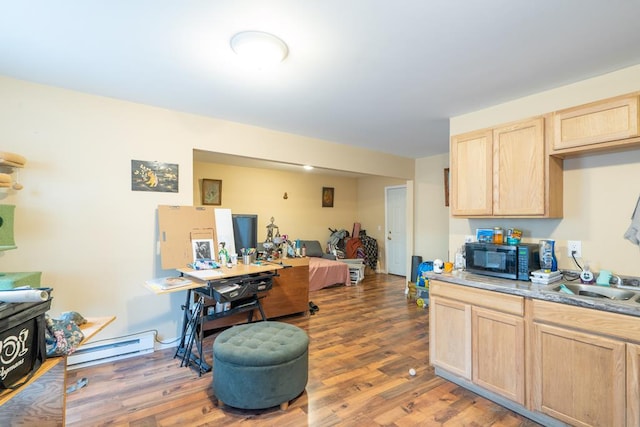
<point>27,295</point>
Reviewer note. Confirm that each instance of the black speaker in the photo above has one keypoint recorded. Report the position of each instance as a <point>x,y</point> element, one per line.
<point>416,260</point>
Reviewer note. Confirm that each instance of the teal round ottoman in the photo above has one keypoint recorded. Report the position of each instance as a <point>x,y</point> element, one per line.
<point>260,365</point>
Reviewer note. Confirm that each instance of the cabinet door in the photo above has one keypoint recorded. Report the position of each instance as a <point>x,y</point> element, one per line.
<point>633,385</point>
<point>519,169</point>
<point>498,353</point>
<point>603,121</point>
<point>450,336</point>
<point>578,378</point>
<point>471,174</point>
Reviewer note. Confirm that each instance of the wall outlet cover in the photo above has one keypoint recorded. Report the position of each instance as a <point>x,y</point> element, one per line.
<point>574,247</point>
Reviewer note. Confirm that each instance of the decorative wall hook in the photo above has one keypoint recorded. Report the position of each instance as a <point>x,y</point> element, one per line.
<point>11,163</point>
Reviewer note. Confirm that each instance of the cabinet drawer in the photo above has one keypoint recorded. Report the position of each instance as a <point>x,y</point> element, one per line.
<point>602,121</point>
<point>505,303</point>
<point>593,321</point>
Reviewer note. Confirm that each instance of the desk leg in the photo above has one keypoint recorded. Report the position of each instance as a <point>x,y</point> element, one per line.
<point>185,322</point>
<point>260,308</point>
<point>192,331</point>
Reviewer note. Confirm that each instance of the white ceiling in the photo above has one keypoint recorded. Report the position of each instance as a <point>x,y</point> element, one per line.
<point>380,74</point>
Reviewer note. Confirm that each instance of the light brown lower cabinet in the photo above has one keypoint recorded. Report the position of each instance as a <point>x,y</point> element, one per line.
<point>580,366</point>
<point>579,378</point>
<point>450,335</point>
<point>498,353</point>
<point>633,385</point>
<point>479,335</point>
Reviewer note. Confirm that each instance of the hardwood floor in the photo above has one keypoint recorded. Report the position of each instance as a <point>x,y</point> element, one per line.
<point>363,341</point>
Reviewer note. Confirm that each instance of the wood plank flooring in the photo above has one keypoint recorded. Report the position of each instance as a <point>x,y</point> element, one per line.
<point>363,341</point>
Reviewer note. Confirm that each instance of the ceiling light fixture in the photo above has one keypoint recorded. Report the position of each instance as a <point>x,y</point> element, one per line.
<point>308,167</point>
<point>259,48</point>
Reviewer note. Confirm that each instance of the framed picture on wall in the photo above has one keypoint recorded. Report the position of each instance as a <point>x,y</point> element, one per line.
<point>212,192</point>
<point>447,178</point>
<point>327,197</point>
<point>154,176</point>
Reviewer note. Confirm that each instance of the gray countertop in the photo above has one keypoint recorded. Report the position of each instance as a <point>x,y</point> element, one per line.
<point>531,290</point>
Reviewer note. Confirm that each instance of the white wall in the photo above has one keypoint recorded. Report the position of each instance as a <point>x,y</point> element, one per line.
<point>78,220</point>
<point>431,214</point>
<point>600,191</point>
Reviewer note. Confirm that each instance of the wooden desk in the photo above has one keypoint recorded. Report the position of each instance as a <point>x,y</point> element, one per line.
<point>199,278</point>
<point>42,400</point>
<point>234,271</point>
<point>244,282</point>
<point>288,295</point>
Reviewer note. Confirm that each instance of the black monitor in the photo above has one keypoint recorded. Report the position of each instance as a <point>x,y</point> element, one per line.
<point>245,231</point>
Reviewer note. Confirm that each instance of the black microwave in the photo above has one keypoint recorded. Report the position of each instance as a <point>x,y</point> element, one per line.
<point>507,261</point>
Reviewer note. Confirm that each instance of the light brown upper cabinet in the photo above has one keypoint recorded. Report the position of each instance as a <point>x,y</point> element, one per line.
<point>471,172</point>
<point>598,126</point>
<point>505,172</point>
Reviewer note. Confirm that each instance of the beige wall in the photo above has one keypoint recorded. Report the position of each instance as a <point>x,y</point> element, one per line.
<point>600,191</point>
<point>301,215</point>
<point>431,214</point>
<point>78,221</point>
<point>371,211</point>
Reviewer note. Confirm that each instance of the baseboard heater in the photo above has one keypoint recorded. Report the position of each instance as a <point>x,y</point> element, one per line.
<point>110,350</point>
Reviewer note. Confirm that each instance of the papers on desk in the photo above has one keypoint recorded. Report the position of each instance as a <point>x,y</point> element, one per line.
<point>168,282</point>
<point>226,288</point>
<point>204,274</point>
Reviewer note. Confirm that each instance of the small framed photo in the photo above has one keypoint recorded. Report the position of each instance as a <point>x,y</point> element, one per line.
<point>327,197</point>
<point>202,250</point>
<point>212,192</point>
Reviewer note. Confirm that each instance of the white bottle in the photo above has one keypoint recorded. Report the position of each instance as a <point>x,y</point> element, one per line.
<point>460,262</point>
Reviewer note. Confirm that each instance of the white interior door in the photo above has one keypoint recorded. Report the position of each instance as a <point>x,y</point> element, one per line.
<point>395,233</point>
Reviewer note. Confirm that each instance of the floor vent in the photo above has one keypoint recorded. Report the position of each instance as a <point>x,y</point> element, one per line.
<point>111,350</point>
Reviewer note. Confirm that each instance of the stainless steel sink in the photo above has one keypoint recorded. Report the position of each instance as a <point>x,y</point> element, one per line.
<point>595,291</point>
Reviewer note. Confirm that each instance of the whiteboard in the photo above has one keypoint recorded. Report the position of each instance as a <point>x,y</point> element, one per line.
<point>224,230</point>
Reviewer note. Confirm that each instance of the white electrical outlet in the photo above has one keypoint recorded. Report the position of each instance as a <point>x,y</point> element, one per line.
<point>574,247</point>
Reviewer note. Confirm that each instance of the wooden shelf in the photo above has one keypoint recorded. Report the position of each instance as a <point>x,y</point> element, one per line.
<point>95,325</point>
<point>10,164</point>
<point>8,394</point>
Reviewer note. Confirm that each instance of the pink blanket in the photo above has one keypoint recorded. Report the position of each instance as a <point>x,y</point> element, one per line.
<point>325,272</point>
